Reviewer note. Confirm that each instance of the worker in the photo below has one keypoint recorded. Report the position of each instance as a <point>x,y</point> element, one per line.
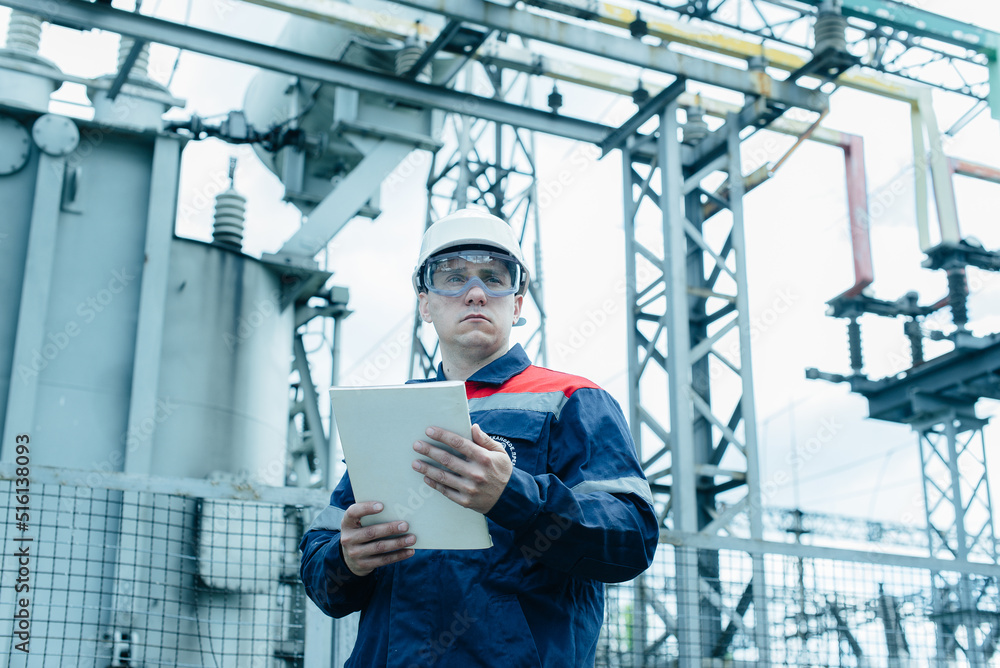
<point>551,464</point>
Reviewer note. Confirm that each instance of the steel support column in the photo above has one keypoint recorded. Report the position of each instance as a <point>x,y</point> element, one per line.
<point>152,305</point>
<point>956,489</point>
<point>747,403</point>
<point>35,292</point>
<point>959,526</point>
<point>689,333</point>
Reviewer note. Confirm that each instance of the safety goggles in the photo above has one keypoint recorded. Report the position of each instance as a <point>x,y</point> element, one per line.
<point>453,274</point>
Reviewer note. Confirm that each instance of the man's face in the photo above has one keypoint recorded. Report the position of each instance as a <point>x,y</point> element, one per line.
<point>473,321</point>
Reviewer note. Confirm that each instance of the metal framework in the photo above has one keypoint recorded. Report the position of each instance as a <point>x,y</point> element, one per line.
<point>691,403</point>
<point>888,36</point>
<point>959,526</point>
<point>688,321</point>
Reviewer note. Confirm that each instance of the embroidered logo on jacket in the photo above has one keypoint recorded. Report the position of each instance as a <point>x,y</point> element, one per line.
<point>511,452</point>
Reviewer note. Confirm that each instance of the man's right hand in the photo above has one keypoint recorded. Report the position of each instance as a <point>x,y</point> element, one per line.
<point>366,548</point>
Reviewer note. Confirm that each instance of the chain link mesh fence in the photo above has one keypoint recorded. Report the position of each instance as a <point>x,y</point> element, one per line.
<point>128,571</point>
<point>859,609</point>
<point>123,570</point>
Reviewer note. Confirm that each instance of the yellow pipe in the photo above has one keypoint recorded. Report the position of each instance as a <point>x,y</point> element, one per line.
<point>726,42</point>
<point>719,40</point>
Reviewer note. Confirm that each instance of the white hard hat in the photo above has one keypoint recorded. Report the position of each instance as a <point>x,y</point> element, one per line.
<point>469,227</point>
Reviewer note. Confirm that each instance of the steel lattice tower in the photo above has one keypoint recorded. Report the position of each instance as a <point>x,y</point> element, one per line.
<point>489,165</point>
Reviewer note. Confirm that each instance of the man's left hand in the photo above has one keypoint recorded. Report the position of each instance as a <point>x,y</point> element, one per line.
<point>474,482</point>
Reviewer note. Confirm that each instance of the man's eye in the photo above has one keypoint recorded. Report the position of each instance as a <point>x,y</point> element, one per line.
<point>493,280</point>
<point>456,279</point>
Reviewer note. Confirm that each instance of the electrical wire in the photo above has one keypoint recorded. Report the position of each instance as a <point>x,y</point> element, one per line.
<point>292,119</point>
<point>186,21</point>
<point>177,58</point>
<point>408,318</point>
<point>856,463</point>
<point>878,482</point>
<point>850,495</point>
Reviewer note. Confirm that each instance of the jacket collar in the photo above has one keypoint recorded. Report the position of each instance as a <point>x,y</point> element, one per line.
<point>499,371</point>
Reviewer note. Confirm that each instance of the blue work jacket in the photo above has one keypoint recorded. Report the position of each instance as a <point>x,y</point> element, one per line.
<point>576,513</point>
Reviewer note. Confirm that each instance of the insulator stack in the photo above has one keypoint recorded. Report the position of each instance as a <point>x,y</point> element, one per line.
<point>555,99</point>
<point>230,216</point>
<point>24,32</point>
<point>695,129</point>
<point>408,56</point>
<point>830,32</point>
<point>912,330</point>
<point>140,69</point>
<point>854,345</point>
<point>958,293</point>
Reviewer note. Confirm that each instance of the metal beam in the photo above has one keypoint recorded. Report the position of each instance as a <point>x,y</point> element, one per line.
<point>648,110</point>
<point>445,36</point>
<point>152,304</point>
<point>920,22</point>
<point>725,42</point>
<point>310,400</point>
<point>346,199</point>
<point>946,376</point>
<point>125,69</point>
<point>237,489</point>
<point>138,26</point>
<point>708,38</point>
<point>681,539</point>
<point>716,144</point>
<point>35,292</point>
<point>632,51</point>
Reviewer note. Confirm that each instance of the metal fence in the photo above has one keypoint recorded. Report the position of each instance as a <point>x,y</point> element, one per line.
<point>825,607</point>
<point>117,570</point>
<point>110,570</point>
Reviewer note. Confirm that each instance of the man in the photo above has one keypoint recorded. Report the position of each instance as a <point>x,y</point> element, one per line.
<point>551,465</point>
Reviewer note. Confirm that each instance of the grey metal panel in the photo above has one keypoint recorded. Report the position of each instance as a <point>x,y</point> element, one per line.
<point>226,355</point>
<point>16,191</point>
<point>31,342</point>
<point>83,391</point>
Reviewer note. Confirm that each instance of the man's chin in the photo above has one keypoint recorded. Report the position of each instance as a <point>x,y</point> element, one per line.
<point>484,342</point>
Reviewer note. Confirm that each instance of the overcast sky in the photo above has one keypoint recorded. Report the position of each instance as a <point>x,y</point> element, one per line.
<point>797,256</point>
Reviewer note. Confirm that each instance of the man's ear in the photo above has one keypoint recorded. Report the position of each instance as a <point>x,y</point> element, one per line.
<point>425,313</point>
<point>518,301</point>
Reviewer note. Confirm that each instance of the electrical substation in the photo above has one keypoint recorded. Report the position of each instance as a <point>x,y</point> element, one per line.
<point>165,434</point>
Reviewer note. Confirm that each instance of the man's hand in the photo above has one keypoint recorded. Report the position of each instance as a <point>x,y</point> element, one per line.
<point>367,548</point>
<point>474,482</point>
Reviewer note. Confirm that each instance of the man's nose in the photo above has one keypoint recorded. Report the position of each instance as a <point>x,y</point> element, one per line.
<point>475,295</point>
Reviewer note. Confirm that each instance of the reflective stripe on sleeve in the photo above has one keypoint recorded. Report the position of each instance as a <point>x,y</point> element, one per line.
<point>328,519</point>
<point>543,402</point>
<point>636,486</point>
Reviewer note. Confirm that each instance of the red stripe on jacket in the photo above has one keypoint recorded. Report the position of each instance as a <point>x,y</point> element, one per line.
<point>534,379</point>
